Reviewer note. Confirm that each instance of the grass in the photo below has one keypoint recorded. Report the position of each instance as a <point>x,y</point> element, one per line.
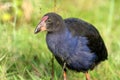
<point>25,56</point>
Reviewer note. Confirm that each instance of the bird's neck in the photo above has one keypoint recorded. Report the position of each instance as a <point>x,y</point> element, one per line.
<point>59,29</point>
<point>57,35</point>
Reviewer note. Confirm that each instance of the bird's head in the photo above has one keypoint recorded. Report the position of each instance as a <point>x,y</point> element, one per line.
<point>50,22</point>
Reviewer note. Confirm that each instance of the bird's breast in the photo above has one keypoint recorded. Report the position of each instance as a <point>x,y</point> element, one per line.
<point>65,45</point>
<point>72,50</point>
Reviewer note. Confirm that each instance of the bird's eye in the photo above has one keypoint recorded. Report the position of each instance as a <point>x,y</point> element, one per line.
<point>49,21</point>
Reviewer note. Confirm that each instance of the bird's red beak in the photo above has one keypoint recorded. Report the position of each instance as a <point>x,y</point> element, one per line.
<point>42,25</point>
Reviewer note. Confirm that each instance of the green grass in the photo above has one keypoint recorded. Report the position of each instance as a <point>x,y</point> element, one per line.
<point>25,56</point>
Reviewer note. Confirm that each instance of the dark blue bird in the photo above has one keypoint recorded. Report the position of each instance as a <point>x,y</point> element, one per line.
<point>76,44</point>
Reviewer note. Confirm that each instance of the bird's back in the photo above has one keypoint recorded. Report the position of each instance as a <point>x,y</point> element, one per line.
<point>81,28</point>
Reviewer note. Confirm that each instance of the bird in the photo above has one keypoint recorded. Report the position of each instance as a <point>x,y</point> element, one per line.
<point>76,44</point>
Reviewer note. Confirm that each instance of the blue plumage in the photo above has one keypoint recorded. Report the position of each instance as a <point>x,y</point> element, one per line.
<point>71,49</point>
<point>76,44</point>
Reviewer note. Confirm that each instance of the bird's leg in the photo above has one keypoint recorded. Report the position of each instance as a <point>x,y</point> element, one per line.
<point>52,73</point>
<point>64,73</point>
<point>87,75</point>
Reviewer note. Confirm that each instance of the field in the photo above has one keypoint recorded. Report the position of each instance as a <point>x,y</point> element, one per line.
<point>25,56</point>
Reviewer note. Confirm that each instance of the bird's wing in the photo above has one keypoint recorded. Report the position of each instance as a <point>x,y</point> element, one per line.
<point>79,27</point>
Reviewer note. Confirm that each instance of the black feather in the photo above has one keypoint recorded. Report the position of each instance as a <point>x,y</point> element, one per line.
<point>75,42</point>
